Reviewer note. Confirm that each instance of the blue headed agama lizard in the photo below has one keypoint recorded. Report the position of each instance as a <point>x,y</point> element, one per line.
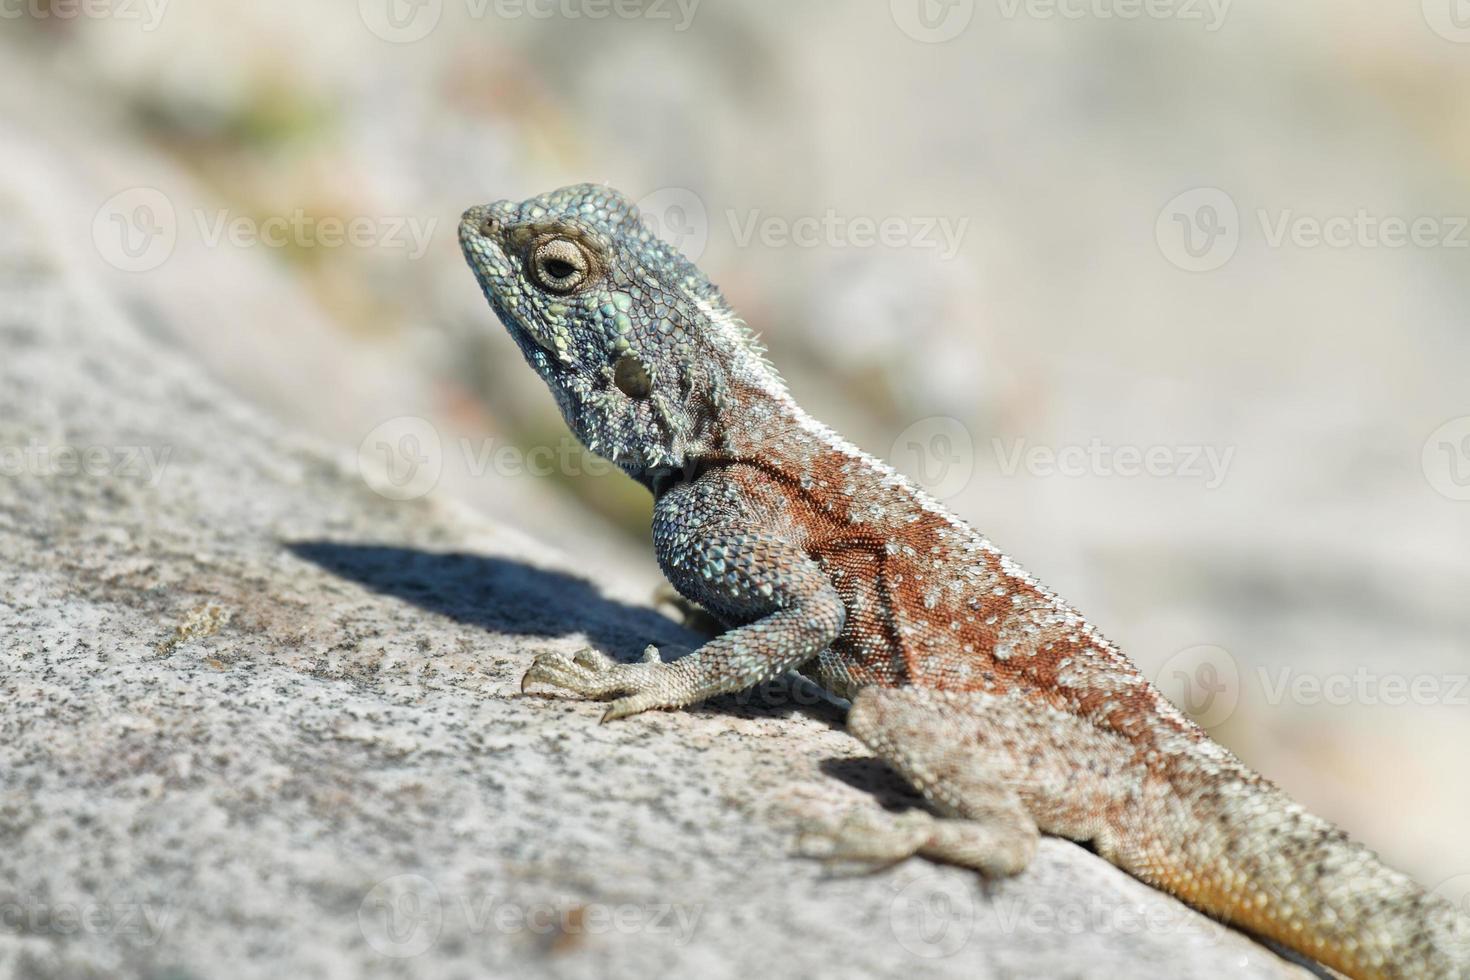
<point>1001,704</point>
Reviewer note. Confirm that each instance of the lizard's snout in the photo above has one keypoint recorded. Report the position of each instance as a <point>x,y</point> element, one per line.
<point>478,220</point>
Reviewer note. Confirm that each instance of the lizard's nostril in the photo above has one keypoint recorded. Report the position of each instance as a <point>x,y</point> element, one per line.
<point>479,219</point>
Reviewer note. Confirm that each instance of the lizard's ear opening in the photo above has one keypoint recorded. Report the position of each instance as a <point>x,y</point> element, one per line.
<point>631,376</point>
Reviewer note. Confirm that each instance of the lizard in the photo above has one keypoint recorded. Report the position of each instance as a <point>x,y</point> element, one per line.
<point>1007,710</point>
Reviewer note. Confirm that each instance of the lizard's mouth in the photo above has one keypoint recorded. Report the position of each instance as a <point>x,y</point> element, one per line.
<point>478,228</point>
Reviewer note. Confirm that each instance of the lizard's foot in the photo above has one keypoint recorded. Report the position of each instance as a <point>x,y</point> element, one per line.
<point>996,848</point>
<point>593,674</point>
<point>862,837</point>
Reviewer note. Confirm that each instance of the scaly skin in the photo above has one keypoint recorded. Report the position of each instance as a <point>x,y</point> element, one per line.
<point>1006,708</point>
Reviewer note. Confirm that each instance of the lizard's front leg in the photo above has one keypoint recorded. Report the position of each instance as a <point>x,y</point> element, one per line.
<point>731,550</point>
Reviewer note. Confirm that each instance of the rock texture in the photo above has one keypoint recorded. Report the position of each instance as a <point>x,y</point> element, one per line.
<point>256,720</point>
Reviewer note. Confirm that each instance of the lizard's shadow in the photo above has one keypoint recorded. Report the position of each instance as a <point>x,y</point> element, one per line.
<point>876,778</point>
<point>499,594</point>
<point>504,595</point>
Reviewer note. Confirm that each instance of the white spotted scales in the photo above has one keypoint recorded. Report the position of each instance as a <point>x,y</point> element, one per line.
<point>1008,710</point>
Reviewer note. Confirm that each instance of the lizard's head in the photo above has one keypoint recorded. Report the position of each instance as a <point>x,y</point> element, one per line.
<point>638,347</point>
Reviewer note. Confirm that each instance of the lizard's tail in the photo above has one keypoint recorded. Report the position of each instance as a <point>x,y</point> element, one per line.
<point>1258,860</point>
<point>1156,797</point>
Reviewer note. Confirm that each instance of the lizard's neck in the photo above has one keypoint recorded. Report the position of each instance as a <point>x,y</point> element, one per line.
<point>748,423</point>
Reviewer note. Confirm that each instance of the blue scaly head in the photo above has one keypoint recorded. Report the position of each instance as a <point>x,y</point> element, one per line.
<point>637,345</point>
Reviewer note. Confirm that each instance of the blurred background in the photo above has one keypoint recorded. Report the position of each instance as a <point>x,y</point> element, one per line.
<point>1167,298</point>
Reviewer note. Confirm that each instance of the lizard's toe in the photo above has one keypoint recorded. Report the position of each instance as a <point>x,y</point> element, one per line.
<point>864,838</point>
<point>588,673</point>
<point>631,705</point>
<point>593,659</point>
<point>591,673</point>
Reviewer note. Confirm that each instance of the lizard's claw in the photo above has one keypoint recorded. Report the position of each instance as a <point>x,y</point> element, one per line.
<point>591,673</point>
<point>588,672</point>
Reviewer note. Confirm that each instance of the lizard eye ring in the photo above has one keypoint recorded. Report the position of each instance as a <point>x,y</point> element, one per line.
<point>560,265</point>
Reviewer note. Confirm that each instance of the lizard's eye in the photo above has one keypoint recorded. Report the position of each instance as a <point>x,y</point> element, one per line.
<point>631,377</point>
<point>559,265</point>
